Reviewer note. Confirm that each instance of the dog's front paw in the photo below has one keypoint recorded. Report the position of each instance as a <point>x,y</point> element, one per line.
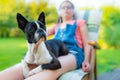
<point>31,73</point>
<point>25,69</point>
<point>34,71</point>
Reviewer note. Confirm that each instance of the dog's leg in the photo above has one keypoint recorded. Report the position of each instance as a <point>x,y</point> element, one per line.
<point>52,66</point>
<point>55,64</point>
<point>25,69</point>
<point>29,57</point>
<point>34,71</point>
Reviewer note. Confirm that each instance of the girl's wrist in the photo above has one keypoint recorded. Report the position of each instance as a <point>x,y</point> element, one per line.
<point>86,60</point>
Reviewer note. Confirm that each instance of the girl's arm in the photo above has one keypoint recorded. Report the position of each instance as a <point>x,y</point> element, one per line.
<point>51,30</point>
<point>84,34</point>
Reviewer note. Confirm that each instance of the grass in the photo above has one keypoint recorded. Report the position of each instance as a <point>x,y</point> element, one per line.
<point>13,49</point>
<point>107,60</point>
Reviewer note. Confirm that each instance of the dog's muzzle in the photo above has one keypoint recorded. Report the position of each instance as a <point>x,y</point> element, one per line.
<point>40,33</point>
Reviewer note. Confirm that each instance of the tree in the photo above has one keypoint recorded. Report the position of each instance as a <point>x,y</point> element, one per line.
<point>9,9</point>
<point>110,26</point>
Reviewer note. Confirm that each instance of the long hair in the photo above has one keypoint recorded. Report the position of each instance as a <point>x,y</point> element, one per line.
<point>59,17</point>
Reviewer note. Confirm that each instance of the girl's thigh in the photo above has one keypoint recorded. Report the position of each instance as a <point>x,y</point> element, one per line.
<point>68,63</point>
<point>12,73</point>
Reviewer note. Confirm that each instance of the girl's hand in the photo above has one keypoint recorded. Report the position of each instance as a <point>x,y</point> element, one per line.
<point>86,66</point>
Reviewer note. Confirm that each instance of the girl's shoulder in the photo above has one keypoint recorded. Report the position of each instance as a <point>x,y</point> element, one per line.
<point>80,21</point>
<point>54,25</point>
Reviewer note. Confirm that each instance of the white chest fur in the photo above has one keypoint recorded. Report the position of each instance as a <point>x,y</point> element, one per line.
<point>41,56</point>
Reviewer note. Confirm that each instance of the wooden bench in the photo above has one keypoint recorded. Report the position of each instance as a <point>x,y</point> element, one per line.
<point>93,19</point>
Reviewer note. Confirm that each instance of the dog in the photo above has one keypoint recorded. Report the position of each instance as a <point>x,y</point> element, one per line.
<point>41,52</point>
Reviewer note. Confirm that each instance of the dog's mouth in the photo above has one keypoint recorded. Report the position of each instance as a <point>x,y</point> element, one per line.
<point>39,41</point>
<point>37,44</point>
<point>39,35</point>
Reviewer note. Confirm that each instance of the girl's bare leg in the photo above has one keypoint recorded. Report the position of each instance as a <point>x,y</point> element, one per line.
<point>68,63</point>
<point>13,73</point>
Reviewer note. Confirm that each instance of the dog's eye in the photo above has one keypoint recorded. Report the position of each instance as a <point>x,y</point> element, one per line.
<point>35,27</point>
<point>31,29</point>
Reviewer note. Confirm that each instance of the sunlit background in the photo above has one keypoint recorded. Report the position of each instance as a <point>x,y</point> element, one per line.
<point>12,40</point>
<point>84,3</point>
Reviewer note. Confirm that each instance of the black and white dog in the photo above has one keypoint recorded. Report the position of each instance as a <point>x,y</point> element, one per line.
<point>40,52</point>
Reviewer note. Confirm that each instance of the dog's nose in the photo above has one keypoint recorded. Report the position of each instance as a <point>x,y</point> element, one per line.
<point>35,41</point>
<point>40,34</point>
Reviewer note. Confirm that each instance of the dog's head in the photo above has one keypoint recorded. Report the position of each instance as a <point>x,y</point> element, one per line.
<point>34,30</point>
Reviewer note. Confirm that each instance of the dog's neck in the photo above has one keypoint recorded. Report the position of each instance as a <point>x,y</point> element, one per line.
<point>41,56</point>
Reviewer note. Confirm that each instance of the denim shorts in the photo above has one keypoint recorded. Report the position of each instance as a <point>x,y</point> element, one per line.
<point>79,56</point>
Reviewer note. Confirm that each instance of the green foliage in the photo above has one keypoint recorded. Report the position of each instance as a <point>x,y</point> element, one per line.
<point>15,32</point>
<point>110,26</point>
<point>9,9</point>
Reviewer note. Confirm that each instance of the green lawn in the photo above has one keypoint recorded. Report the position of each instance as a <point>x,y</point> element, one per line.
<point>13,49</point>
<point>107,60</point>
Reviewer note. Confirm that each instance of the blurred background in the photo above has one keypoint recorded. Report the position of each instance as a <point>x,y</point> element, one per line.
<point>12,40</point>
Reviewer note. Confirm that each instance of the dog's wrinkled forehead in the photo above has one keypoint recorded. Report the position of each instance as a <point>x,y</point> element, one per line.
<point>39,25</point>
<point>35,25</point>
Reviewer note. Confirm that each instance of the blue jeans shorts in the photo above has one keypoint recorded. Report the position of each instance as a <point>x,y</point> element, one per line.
<point>79,56</point>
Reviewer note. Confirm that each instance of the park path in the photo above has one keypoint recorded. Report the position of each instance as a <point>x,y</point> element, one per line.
<point>113,75</point>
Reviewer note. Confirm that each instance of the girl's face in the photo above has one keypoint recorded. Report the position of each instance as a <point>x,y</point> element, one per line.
<point>66,10</point>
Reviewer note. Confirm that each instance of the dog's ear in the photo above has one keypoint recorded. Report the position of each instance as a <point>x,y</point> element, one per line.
<point>42,17</point>
<point>21,21</point>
